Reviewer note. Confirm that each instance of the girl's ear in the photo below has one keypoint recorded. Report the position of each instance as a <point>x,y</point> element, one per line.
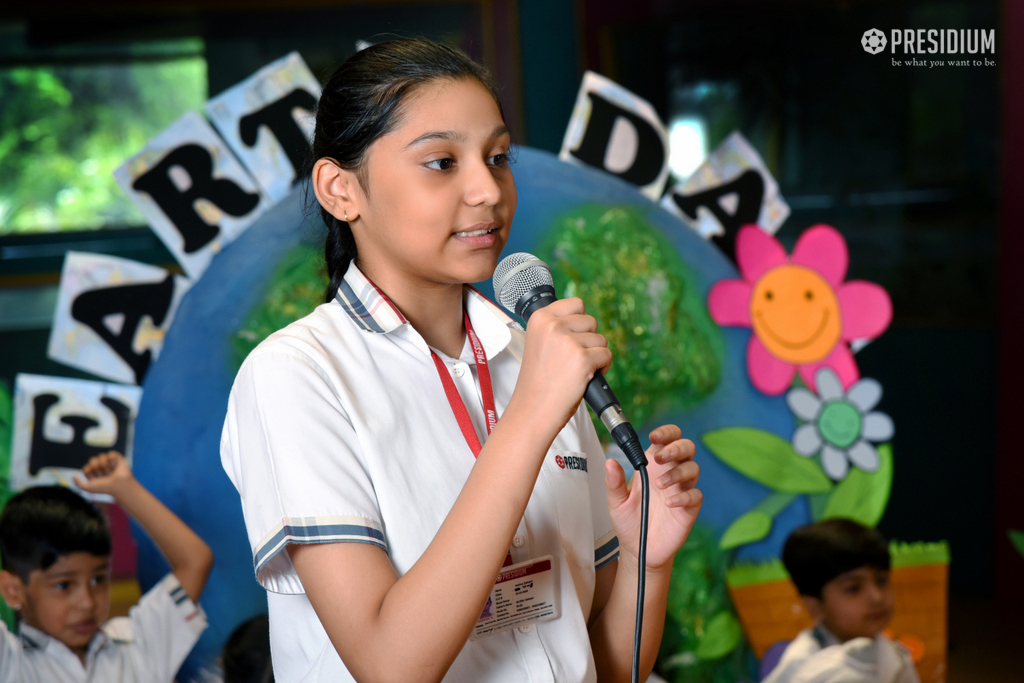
<point>337,190</point>
<point>12,588</point>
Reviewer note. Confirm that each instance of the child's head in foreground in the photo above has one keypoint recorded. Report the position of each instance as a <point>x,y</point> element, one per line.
<point>55,554</point>
<point>841,569</point>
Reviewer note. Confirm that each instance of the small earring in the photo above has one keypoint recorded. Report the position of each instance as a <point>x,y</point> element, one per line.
<point>346,216</point>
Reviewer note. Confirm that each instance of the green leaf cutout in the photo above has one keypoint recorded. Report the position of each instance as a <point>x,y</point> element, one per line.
<point>721,636</point>
<point>768,459</point>
<point>862,496</point>
<point>1017,538</point>
<point>749,527</point>
<point>6,406</point>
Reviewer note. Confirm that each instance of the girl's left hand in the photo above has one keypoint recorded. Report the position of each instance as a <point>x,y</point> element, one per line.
<point>675,500</point>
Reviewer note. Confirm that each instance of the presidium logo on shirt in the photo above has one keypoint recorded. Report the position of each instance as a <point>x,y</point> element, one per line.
<point>573,462</point>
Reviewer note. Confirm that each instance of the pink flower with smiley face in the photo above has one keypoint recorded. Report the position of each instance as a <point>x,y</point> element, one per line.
<point>802,312</point>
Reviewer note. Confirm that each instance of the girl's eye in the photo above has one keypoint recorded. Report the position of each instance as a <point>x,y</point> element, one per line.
<point>99,580</point>
<point>853,588</point>
<point>499,160</point>
<point>444,164</point>
<point>63,585</point>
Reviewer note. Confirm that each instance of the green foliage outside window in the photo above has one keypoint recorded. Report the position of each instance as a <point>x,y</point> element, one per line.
<point>64,129</point>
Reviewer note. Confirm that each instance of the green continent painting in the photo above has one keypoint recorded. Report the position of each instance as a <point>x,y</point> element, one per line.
<point>668,352</point>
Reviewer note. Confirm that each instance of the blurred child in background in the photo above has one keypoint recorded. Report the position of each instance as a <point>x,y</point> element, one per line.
<point>55,552</point>
<point>841,570</point>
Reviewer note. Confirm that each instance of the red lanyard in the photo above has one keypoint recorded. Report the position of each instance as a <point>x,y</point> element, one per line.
<point>455,400</point>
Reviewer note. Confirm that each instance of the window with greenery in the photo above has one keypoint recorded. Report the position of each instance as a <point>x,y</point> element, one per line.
<point>66,124</point>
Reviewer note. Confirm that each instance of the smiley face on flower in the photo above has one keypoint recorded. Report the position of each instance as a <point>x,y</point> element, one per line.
<point>795,314</point>
<point>802,312</point>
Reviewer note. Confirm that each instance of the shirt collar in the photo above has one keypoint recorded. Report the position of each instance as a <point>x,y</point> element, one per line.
<point>372,311</point>
<point>33,638</point>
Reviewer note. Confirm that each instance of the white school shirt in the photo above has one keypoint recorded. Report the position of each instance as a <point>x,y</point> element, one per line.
<point>147,646</point>
<point>817,656</point>
<point>338,430</point>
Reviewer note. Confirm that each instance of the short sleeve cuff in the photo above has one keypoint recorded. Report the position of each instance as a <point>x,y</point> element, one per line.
<point>274,569</point>
<point>606,549</point>
<point>192,613</point>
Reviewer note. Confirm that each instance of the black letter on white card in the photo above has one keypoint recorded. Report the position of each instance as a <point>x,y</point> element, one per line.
<point>749,188</point>
<point>76,453</point>
<point>177,203</point>
<point>132,301</point>
<point>277,116</point>
<point>650,152</point>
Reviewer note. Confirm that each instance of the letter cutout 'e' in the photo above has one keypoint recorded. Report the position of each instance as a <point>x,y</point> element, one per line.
<point>60,423</point>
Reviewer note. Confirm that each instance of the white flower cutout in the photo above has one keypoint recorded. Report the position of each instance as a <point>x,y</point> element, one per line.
<point>840,425</point>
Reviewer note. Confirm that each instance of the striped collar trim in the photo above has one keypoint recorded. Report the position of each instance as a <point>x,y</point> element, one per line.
<point>372,311</point>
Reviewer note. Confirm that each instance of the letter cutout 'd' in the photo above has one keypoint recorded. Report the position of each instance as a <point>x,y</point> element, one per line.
<point>73,455</point>
<point>178,204</point>
<point>749,187</point>
<point>650,153</point>
<point>133,301</point>
<point>277,116</point>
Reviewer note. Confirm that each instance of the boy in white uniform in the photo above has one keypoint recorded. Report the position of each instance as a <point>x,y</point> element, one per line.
<point>55,550</point>
<point>841,569</point>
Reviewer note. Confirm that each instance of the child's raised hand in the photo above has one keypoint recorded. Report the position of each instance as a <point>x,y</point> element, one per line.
<point>105,473</point>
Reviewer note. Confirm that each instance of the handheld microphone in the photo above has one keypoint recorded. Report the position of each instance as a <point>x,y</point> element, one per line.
<point>523,284</point>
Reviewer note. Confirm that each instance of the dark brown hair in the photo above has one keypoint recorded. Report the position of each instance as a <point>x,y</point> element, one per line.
<point>815,554</point>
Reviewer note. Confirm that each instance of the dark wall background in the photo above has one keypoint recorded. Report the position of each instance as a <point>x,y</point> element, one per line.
<point>903,161</point>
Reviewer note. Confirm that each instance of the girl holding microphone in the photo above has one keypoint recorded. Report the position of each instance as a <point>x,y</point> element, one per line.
<point>423,490</point>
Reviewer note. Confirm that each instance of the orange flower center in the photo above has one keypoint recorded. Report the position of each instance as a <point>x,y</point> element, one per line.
<point>795,314</point>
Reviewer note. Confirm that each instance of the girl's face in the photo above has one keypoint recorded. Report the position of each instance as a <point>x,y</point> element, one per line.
<point>440,194</point>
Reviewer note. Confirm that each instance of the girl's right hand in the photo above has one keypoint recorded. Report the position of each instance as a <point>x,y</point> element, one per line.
<point>563,351</point>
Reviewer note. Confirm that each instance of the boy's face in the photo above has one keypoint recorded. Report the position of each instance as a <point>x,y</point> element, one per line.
<point>856,604</point>
<point>70,600</point>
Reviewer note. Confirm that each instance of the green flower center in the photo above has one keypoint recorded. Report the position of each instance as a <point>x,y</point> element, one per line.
<point>839,424</point>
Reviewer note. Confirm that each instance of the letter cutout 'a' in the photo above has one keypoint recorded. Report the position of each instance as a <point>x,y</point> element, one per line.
<point>614,130</point>
<point>748,189</point>
<point>267,120</point>
<point>112,315</point>
<point>193,192</point>
<point>730,189</point>
<point>60,423</point>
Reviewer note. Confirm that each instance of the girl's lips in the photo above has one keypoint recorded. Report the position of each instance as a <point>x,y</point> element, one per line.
<point>479,235</point>
<point>485,239</point>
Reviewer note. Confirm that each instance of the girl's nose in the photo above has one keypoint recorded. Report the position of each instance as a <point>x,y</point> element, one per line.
<point>482,187</point>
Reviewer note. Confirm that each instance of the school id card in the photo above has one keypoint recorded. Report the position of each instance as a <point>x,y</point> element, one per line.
<point>524,593</point>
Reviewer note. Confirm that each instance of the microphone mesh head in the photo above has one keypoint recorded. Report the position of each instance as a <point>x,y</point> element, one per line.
<point>516,275</point>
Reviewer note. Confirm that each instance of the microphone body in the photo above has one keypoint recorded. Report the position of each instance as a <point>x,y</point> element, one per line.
<point>517,272</point>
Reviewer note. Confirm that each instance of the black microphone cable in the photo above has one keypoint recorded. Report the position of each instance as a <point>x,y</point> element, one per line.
<point>523,284</point>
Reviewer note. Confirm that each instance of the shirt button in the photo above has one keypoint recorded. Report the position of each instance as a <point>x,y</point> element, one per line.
<point>519,542</point>
<point>457,371</point>
<point>526,628</point>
